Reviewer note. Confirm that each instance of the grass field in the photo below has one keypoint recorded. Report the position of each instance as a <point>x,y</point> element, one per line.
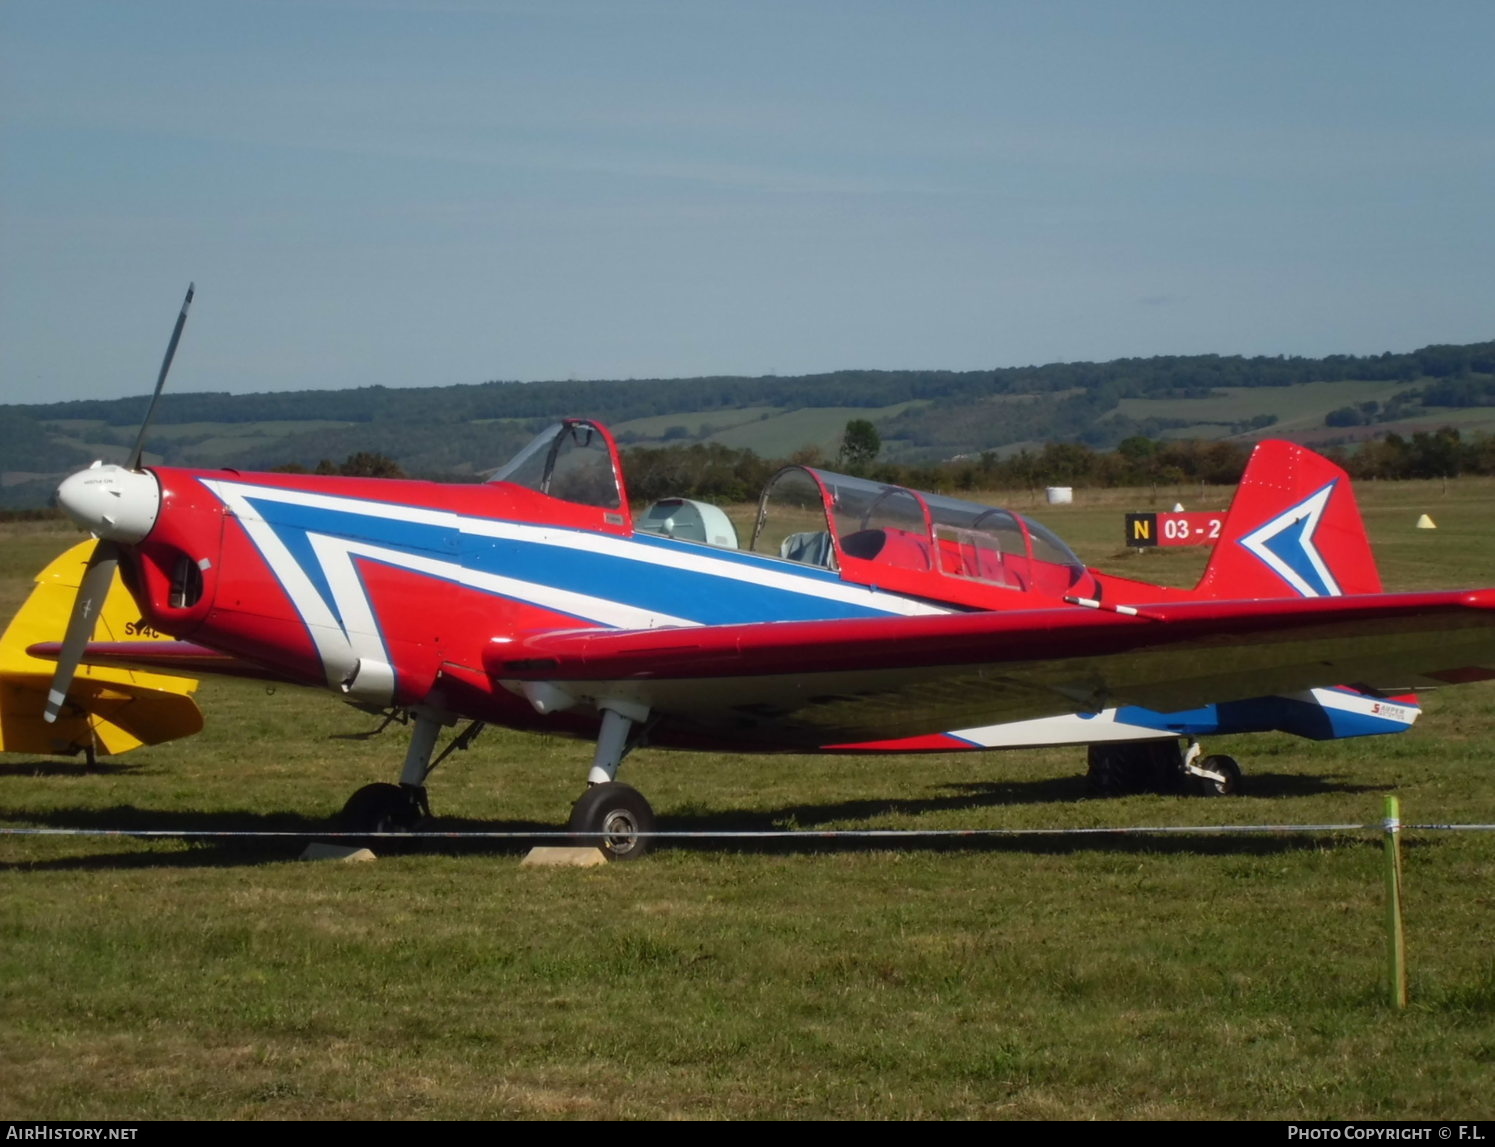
<point>1048,977</point>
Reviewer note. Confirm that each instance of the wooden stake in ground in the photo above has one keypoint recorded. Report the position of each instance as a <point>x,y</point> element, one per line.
<point>1396,941</point>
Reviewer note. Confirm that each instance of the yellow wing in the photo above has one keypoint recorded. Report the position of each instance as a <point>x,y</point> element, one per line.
<point>110,710</point>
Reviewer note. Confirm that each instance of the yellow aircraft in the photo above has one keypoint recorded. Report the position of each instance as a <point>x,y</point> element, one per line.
<point>108,710</point>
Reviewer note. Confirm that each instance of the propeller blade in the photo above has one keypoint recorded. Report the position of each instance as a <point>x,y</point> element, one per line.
<point>181,321</point>
<point>87,606</point>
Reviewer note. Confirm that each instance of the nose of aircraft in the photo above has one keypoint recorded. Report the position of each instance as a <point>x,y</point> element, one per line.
<point>111,501</point>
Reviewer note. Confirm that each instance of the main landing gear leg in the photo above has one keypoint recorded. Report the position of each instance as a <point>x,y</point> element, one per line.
<point>615,817</point>
<point>399,808</point>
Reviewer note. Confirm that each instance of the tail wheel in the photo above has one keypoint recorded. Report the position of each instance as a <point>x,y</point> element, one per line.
<point>615,818</point>
<point>1226,781</point>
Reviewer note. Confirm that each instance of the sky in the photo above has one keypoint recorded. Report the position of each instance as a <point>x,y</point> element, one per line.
<point>419,194</point>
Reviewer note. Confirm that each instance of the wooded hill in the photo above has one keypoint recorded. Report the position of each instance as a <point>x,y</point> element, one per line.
<point>922,415</point>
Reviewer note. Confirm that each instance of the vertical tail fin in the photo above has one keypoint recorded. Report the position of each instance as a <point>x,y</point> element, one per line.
<point>1293,530</point>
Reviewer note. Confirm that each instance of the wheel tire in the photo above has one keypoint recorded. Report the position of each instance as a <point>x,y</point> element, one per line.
<point>1209,787</point>
<point>1107,771</point>
<point>379,808</point>
<point>1125,768</point>
<point>619,813</point>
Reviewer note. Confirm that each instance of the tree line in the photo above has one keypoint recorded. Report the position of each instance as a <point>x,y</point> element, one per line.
<point>618,400</point>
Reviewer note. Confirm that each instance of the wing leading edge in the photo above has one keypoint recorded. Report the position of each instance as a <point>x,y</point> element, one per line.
<point>833,682</point>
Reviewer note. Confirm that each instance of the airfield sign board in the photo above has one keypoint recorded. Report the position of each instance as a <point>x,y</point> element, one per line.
<point>1176,528</point>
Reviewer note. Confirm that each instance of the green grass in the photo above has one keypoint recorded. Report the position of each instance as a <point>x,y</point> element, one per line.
<point>1092,977</point>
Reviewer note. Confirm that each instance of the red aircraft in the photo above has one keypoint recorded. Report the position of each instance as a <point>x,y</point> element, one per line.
<point>860,617</point>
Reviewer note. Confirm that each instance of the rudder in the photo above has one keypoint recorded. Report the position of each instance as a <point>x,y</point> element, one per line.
<point>1293,530</point>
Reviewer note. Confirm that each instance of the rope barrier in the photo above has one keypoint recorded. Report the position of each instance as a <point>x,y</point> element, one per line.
<point>745,834</point>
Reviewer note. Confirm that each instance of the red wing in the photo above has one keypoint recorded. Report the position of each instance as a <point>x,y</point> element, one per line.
<point>830,682</point>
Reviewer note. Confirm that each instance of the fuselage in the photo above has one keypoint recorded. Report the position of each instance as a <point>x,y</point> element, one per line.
<point>394,593</point>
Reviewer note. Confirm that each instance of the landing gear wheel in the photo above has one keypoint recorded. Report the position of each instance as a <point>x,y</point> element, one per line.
<point>381,808</point>
<point>619,813</point>
<point>1226,769</point>
<point>1109,773</point>
<point>1119,770</point>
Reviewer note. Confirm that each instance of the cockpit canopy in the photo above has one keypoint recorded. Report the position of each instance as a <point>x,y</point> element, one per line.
<point>837,521</point>
<point>574,460</point>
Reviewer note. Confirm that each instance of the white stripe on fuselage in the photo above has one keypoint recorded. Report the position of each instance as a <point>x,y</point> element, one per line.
<point>334,645</point>
<point>337,554</point>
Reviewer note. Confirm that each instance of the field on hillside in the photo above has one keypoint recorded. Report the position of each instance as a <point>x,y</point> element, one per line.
<point>769,431</point>
<point>206,443</point>
<point>1300,411</point>
<point>1300,407</point>
<point>1021,978</point>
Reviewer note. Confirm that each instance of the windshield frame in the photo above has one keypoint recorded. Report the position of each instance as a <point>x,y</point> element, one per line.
<point>535,466</point>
